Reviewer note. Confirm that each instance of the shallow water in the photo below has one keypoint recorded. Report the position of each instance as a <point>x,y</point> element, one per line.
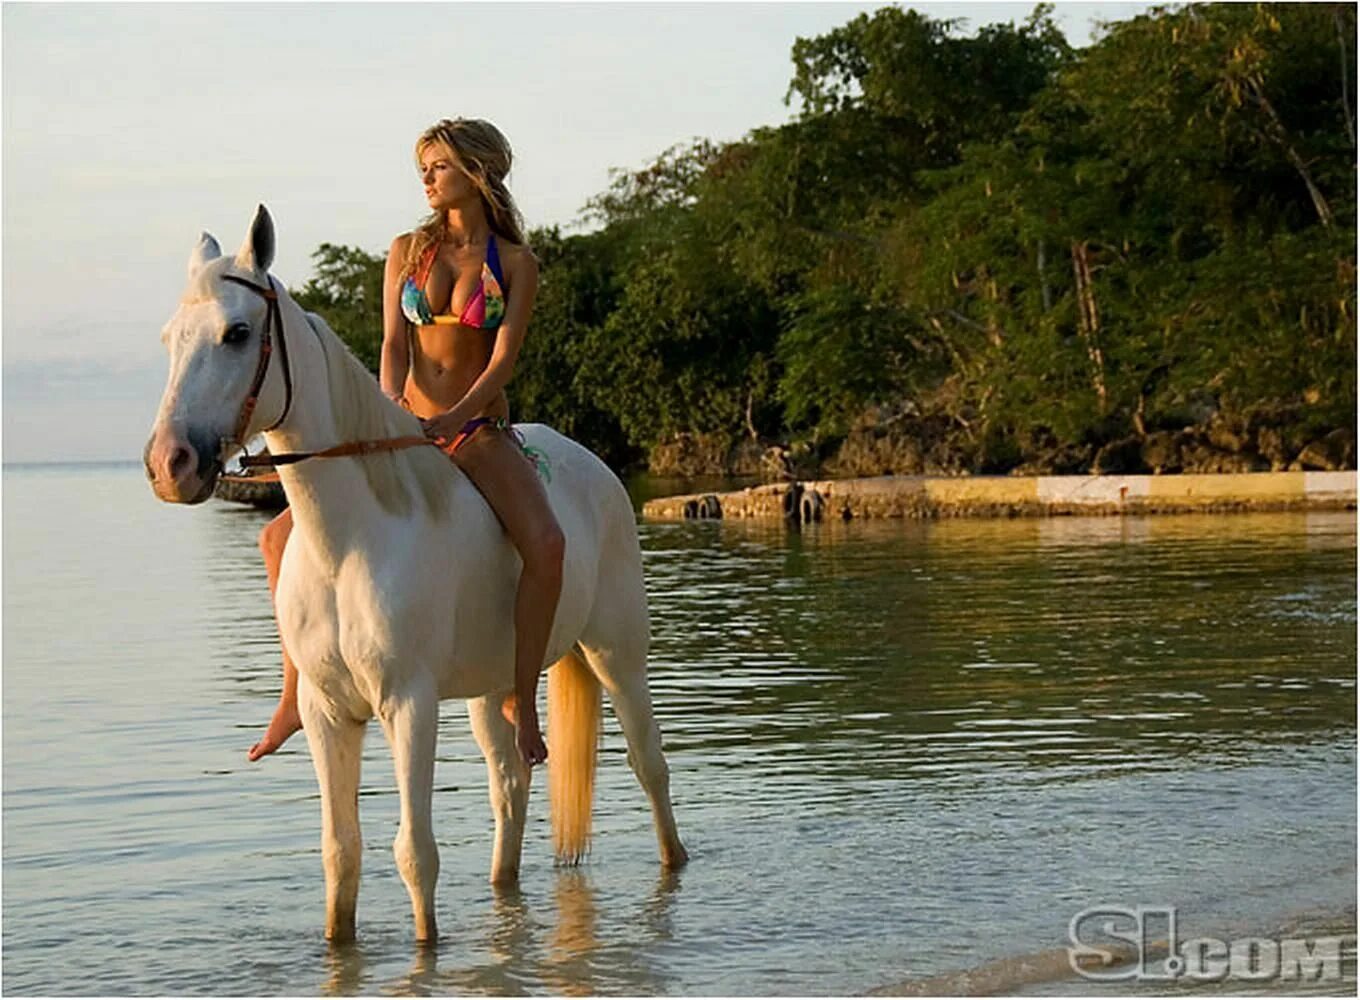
<point>897,750</point>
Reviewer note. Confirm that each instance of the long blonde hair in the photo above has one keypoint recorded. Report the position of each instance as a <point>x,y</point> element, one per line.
<point>483,153</point>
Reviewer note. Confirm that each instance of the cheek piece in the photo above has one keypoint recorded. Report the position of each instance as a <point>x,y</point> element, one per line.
<point>272,318</point>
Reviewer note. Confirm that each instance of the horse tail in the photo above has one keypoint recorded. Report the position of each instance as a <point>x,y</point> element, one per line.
<point>573,738</point>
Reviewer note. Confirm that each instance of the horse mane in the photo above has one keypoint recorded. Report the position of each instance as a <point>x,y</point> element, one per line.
<point>363,413</point>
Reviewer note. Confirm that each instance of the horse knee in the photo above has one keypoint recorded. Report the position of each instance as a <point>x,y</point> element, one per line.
<point>510,798</point>
<point>417,859</point>
<point>649,763</point>
<point>340,859</point>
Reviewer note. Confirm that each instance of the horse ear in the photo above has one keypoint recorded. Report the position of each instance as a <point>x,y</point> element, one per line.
<point>257,252</point>
<point>206,250</point>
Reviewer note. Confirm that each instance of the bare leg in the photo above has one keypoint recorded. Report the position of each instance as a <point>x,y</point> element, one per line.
<point>286,720</point>
<point>495,464</point>
<point>539,588</point>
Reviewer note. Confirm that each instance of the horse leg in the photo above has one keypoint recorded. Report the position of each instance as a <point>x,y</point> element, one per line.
<point>411,722</point>
<point>337,748</point>
<point>508,779</point>
<point>624,676</point>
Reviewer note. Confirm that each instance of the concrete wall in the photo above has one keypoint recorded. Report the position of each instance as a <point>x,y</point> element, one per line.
<point>1011,496</point>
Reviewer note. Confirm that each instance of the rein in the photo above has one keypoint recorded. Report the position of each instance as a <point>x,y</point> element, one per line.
<point>338,451</point>
<point>274,318</point>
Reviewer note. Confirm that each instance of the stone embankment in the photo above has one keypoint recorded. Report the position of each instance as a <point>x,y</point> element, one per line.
<point>1014,496</point>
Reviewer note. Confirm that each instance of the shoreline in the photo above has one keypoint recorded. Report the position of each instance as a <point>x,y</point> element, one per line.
<point>810,501</point>
<point>1048,972</point>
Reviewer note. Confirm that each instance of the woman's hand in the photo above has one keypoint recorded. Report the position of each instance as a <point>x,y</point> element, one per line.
<point>447,425</point>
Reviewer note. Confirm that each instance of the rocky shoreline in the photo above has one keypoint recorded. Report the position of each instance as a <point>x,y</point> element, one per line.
<point>810,501</point>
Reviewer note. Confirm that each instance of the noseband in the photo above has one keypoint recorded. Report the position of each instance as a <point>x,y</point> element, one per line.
<point>274,319</point>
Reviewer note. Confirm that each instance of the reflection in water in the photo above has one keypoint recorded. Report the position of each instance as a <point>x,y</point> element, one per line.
<point>575,962</point>
<point>568,969</point>
<point>656,914</point>
<point>509,934</point>
<point>345,964</point>
<point>1046,646</point>
<point>897,749</point>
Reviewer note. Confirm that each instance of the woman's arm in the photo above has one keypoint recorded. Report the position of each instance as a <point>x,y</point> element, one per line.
<point>522,277</point>
<point>395,359</point>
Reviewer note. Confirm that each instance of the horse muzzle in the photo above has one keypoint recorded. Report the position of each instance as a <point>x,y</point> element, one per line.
<point>182,467</point>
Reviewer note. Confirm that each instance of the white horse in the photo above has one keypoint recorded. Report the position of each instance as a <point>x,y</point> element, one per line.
<point>397,586</point>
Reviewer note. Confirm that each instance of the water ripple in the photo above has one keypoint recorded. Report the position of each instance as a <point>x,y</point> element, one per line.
<point>929,743</point>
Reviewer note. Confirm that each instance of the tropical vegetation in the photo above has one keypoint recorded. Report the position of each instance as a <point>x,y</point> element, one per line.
<point>971,253</point>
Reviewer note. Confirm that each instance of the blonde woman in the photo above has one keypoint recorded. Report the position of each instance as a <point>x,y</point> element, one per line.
<point>457,295</point>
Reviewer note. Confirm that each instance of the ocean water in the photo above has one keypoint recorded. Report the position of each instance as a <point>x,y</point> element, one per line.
<point>899,751</point>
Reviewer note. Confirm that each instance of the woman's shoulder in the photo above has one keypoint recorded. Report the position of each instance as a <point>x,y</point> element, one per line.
<point>402,242</point>
<point>516,254</point>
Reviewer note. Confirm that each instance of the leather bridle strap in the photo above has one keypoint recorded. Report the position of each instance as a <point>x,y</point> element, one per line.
<point>272,318</point>
<point>339,451</point>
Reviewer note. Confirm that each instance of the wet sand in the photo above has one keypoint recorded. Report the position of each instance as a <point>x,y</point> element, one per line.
<point>1050,973</point>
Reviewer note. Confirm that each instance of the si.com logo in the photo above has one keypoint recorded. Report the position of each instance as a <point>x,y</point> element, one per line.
<point>1111,943</point>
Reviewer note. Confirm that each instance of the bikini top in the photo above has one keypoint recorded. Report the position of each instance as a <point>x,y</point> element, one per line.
<point>484,310</point>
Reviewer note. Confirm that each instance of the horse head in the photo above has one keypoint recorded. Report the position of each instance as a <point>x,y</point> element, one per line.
<point>222,387</point>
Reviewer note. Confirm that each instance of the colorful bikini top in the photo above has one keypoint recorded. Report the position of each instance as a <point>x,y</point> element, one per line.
<point>484,310</point>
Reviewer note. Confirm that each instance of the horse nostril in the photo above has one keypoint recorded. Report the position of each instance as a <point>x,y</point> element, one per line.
<point>178,460</point>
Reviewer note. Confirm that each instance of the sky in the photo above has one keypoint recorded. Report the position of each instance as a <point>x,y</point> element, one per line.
<point>129,128</point>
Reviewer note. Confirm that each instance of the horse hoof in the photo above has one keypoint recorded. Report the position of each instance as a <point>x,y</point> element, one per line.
<point>340,935</point>
<point>674,857</point>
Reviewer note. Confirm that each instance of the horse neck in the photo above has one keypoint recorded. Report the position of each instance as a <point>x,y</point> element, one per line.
<point>332,499</point>
<point>310,423</point>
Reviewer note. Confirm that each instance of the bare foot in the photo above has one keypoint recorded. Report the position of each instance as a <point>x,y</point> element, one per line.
<point>284,724</point>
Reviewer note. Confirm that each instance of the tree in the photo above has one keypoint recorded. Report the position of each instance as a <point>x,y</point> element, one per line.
<point>1019,251</point>
<point>346,291</point>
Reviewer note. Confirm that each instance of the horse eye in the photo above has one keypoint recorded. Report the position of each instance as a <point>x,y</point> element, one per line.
<point>237,333</point>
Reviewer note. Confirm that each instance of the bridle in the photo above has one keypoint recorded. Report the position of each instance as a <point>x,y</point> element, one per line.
<point>272,317</point>
<point>274,320</point>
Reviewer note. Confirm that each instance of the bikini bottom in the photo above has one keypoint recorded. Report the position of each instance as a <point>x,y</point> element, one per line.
<point>535,456</point>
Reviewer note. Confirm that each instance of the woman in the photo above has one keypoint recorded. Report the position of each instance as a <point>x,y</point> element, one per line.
<point>457,295</point>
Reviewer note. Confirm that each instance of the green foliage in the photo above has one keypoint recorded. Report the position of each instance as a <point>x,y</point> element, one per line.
<point>346,291</point>
<point>684,350</point>
<point>577,291</point>
<point>840,354</point>
<point>1189,163</point>
<point>939,90</point>
<point>1023,250</point>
